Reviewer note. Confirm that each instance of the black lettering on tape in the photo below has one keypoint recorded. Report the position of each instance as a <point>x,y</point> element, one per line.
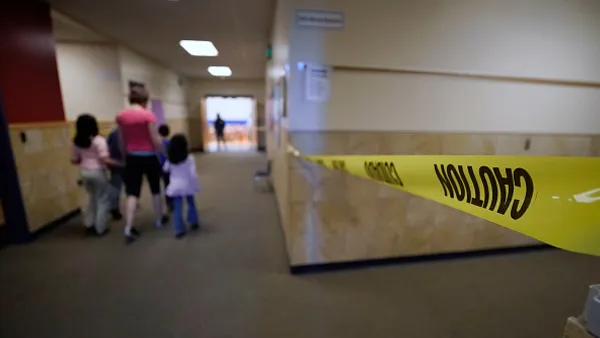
<point>339,165</point>
<point>395,177</point>
<point>476,200</point>
<point>521,174</point>
<point>457,184</point>
<point>463,177</point>
<point>507,189</point>
<point>443,177</point>
<point>488,183</point>
<point>383,171</point>
<point>388,172</point>
<point>488,188</point>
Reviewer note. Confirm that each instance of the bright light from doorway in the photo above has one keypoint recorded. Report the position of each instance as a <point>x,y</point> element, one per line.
<point>219,71</point>
<point>199,48</point>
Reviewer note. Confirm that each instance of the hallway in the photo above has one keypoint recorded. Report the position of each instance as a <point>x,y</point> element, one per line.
<point>231,280</point>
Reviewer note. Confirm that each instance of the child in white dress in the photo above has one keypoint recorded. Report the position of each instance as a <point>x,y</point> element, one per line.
<point>183,183</point>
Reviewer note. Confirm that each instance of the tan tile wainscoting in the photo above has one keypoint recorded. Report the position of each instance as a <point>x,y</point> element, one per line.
<point>47,177</point>
<point>332,217</point>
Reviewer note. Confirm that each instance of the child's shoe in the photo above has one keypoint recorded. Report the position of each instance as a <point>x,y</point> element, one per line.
<point>194,226</point>
<point>180,235</point>
<point>90,231</point>
<point>162,221</point>
<point>103,233</point>
<point>116,214</point>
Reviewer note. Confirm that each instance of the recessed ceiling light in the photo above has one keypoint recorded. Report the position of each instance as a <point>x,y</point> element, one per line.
<point>219,71</point>
<point>199,48</point>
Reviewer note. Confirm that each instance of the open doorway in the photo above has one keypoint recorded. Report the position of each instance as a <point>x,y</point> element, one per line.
<point>239,116</point>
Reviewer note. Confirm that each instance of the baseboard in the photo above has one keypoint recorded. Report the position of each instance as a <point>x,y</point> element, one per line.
<point>55,224</point>
<point>369,263</point>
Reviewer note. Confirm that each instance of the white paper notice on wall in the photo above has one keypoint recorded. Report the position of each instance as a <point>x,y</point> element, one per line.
<point>320,19</point>
<point>318,83</point>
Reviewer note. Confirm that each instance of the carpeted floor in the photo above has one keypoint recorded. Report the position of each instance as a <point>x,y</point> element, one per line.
<point>231,280</point>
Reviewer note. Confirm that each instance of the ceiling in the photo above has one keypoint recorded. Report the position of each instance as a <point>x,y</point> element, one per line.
<point>67,30</point>
<point>239,29</point>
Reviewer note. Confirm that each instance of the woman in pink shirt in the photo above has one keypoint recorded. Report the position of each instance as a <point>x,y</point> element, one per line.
<point>90,152</point>
<point>141,145</point>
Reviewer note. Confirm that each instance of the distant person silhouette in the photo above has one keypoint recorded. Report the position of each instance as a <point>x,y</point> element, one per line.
<point>219,126</point>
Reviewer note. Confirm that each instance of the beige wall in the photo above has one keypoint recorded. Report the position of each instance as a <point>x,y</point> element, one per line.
<point>554,40</point>
<point>460,77</point>
<point>90,79</point>
<point>94,78</point>
<point>162,83</point>
<point>549,39</point>
<point>336,217</point>
<point>410,102</point>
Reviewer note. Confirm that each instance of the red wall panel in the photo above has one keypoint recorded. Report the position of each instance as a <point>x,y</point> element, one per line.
<point>28,71</point>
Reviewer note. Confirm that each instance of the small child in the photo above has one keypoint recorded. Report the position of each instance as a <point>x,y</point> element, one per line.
<point>164,132</point>
<point>183,183</point>
<point>90,153</point>
<point>116,174</point>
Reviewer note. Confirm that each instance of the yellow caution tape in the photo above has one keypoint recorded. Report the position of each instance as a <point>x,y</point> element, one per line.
<point>553,199</point>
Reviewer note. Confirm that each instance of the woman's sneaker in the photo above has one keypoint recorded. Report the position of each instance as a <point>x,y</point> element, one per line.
<point>133,236</point>
<point>130,239</point>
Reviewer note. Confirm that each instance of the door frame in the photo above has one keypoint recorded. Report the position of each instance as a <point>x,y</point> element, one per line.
<point>204,121</point>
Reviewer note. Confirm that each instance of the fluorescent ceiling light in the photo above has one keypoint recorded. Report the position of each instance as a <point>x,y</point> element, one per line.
<point>199,48</point>
<point>219,71</point>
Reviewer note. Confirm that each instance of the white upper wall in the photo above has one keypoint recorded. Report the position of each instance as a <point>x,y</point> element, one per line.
<point>551,39</point>
<point>161,82</point>
<point>389,102</point>
<point>90,79</point>
<point>94,76</point>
